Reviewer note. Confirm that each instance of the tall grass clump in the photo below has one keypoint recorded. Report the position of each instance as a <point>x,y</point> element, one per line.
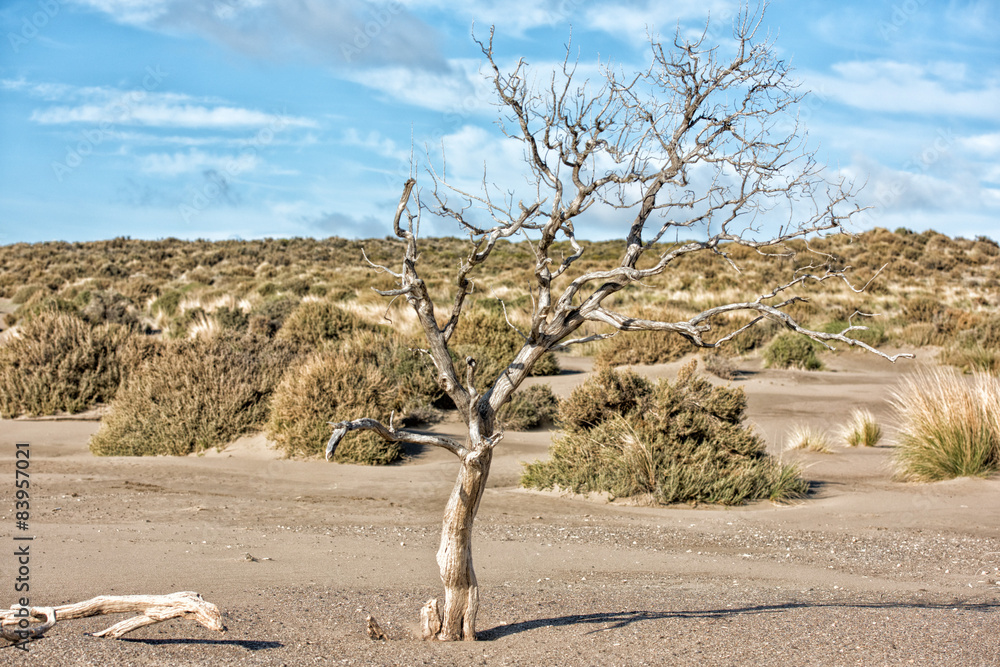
<point>802,436</point>
<point>862,430</point>
<point>792,350</point>
<point>671,442</point>
<point>371,374</point>
<point>196,394</point>
<point>949,425</point>
<point>56,362</point>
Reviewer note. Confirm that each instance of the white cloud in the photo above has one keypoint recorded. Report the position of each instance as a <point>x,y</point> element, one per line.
<point>633,21</point>
<point>985,145</point>
<point>375,142</point>
<point>941,88</point>
<point>112,106</point>
<point>460,89</point>
<point>165,115</point>
<point>331,32</point>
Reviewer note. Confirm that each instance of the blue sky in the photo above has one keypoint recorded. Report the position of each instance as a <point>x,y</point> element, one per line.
<point>249,118</point>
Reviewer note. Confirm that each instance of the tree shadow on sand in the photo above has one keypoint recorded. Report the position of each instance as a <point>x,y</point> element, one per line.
<point>615,620</point>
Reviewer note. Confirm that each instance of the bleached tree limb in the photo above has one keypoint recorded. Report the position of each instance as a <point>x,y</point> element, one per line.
<point>151,609</point>
<point>340,429</point>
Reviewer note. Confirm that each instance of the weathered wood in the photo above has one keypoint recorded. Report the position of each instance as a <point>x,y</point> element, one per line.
<point>430,619</point>
<point>151,609</point>
<point>454,557</point>
<point>375,630</point>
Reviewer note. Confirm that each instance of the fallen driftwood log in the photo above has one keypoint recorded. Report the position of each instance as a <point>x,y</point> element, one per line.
<point>22,623</point>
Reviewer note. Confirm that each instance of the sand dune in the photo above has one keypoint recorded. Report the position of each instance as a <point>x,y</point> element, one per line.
<point>867,571</point>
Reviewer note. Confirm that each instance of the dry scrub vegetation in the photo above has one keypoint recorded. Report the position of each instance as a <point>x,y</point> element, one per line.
<point>194,343</point>
<point>671,442</point>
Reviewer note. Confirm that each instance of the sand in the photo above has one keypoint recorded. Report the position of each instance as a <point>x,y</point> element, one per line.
<point>866,571</point>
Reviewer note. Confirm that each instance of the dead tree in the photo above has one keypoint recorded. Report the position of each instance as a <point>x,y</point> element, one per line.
<point>692,145</point>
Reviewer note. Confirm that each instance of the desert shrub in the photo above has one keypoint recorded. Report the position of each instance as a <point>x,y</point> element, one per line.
<point>167,303</point>
<point>371,374</point>
<point>58,363</point>
<point>805,437</point>
<point>720,365</point>
<point>862,430</point>
<point>484,335</point>
<point>529,408</point>
<point>271,315</point>
<point>316,323</point>
<point>949,426</point>
<point>972,359</point>
<point>792,350</point>
<point>605,394</point>
<point>196,394</point>
<point>25,293</point>
<point>109,306</point>
<point>231,318</point>
<point>922,309</point>
<point>679,442</point>
<point>642,347</point>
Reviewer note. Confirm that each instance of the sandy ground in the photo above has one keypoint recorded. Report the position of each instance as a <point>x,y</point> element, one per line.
<point>866,571</point>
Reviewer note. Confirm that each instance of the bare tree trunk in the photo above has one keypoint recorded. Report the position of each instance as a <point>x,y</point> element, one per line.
<point>456,619</point>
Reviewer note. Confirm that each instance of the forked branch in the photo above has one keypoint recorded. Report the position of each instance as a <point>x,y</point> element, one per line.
<point>26,623</point>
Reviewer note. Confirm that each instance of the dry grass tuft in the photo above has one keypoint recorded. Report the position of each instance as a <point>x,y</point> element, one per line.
<point>805,437</point>
<point>949,425</point>
<point>862,430</point>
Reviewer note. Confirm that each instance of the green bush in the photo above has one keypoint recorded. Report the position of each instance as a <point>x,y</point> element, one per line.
<point>674,442</point>
<point>948,426</point>
<point>369,375</point>
<point>529,408</point>
<point>792,350</point>
<point>196,394</point>
<point>58,363</point>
